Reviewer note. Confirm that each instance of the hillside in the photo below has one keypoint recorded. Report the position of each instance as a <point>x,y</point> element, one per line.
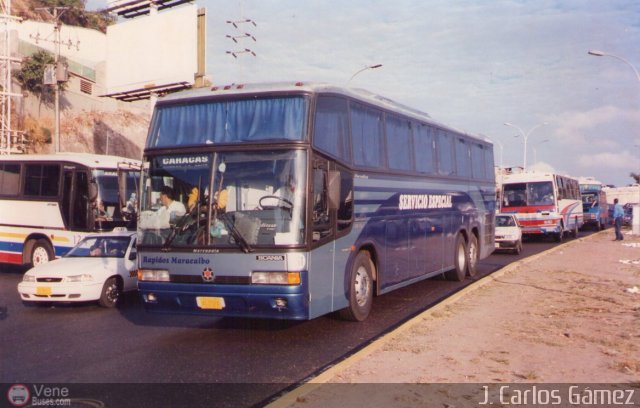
<point>75,15</point>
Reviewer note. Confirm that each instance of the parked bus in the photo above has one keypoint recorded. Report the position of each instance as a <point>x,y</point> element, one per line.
<point>545,203</point>
<point>304,199</point>
<point>594,203</point>
<point>49,202</point>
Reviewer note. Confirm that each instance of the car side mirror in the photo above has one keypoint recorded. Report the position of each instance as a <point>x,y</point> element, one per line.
<point>133,256</point>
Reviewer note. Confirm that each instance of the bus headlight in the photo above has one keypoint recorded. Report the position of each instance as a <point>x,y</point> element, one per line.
<point>275,278</point>
<point>154,275</point>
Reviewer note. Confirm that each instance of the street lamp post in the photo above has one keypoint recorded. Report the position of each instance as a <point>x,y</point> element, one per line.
<point>535,151</point>
<point>364,69</point>
<point>525,136</point>
<point>636,209</point>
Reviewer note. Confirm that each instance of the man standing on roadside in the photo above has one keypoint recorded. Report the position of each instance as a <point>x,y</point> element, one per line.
<point>618,213</point>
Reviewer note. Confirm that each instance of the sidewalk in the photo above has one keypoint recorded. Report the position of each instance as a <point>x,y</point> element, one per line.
<point>563,316</point>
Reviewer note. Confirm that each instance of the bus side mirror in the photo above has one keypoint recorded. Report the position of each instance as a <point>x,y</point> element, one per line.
<point>122,188</point>
<point>93,190</point>
<point>334,190</point>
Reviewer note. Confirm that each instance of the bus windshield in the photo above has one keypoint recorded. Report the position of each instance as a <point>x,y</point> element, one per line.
<point>235,121</point>
<point>527,194</point>
<point>108,212</point>
<point>237,199</point>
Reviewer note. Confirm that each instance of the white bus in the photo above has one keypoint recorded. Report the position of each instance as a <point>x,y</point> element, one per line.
<point>49,202</point>
<point>545,203</point>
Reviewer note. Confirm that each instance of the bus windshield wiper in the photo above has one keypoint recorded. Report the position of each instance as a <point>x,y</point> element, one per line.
<point>240,240</point>
<point>182,225</point>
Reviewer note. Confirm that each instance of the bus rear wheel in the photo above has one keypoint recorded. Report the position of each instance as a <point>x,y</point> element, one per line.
<point>360,289</point>
<point>460,260</point>
<point>474,254</point>
<point>38,252</point>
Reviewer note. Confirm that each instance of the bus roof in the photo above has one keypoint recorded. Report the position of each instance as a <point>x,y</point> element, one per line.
<point>529,177</point>
<point>307,88</point>
<point>86,159</point>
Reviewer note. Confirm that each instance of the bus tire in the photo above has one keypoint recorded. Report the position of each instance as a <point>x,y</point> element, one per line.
<point>38,252</point>
<point>460,261</point>
<point>560,235</point>
<point>110,294</point>
<point>360,289</point>
<point>474,254</point>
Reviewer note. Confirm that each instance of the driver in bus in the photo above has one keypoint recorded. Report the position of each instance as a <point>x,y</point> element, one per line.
<point>287,191</point>
<point>170,205</point>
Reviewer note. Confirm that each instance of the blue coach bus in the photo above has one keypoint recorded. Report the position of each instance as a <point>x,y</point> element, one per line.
<point>594,203</point>
<point>296,200</point>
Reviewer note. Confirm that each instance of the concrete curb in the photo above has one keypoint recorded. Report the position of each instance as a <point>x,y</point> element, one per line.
<point>324,377</point>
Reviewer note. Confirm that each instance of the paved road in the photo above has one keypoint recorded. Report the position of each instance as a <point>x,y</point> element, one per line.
<point>87,344</point>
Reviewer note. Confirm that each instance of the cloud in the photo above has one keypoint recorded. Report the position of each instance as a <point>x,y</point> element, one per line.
<point>585,127</point>
<point>609,160</point>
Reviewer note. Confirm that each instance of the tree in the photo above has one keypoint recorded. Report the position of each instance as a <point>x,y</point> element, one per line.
<point>30,75</point>
<point>76,15</point>
<point>635,176</point>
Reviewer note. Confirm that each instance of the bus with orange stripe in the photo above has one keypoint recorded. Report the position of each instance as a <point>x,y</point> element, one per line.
<point>546,204</point>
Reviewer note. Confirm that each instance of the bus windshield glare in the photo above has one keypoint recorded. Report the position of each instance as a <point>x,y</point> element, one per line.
<point>258,200</point>
<point>237,121</point>
<point>526,194</point>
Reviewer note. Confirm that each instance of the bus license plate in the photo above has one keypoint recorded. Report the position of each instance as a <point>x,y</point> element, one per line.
<point>43,291</point>
<point>213,303</point>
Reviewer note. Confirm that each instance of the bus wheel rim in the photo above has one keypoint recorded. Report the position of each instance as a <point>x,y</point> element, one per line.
<point>361,286</point>
<point>40,256</point>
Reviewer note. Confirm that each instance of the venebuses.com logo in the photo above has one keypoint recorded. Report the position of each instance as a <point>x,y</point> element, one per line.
<point>18,395</point>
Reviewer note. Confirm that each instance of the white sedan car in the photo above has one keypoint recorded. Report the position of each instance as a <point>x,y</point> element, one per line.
<point>508,233</point>
<point>100,267</point>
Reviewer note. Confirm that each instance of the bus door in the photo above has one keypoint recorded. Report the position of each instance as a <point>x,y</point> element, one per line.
<point>331,219</point>
<point>75,199</point>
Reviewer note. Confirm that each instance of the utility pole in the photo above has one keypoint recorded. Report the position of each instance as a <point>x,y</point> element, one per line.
<point>202,39</point>
<point>59,71</point>
<point>6,131</point>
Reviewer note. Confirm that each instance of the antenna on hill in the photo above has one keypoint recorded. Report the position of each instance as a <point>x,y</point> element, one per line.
<point>241,36</point>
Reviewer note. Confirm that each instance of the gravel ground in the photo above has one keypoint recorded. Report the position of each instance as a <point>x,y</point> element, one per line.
<point>563,316</point>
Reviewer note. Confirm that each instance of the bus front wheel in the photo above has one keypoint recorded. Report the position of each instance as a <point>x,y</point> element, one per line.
<point>360,289</point>
<point>38,251</point>
<point>460,260</point>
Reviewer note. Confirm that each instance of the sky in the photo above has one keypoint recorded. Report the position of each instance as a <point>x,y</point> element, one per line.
<point>471,64</point>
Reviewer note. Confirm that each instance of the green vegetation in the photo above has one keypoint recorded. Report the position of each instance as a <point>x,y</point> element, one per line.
<point>76,15</point>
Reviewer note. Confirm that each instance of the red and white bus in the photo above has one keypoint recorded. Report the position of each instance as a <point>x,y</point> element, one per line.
<point>545,203</point>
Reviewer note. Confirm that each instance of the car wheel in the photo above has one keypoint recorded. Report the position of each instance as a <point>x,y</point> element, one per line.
<point>518,249</point>
<point>460,259</point>
<point>38,252</point>
<point>473,255</point>
<point>110,293</point>
<point>360,289</point>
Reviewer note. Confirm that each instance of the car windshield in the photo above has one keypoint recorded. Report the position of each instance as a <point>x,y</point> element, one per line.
<point>505,221</point>
<point>102,247</point>
<point>257,200</point>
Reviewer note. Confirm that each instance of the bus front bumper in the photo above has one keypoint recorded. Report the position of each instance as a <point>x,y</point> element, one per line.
<point>253,301</point>
<point>542,230</point>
